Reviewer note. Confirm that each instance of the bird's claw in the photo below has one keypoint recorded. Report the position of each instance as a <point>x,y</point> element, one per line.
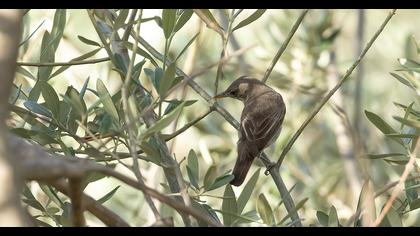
<point>269,167</point>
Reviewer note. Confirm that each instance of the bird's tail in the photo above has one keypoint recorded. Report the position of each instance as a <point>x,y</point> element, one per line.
<point>243,163</point>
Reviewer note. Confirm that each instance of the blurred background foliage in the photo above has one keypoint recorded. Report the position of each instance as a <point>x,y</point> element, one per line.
<point>326,166</point>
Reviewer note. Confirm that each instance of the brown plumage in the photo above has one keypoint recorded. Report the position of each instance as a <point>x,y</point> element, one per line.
<point>261,121</point>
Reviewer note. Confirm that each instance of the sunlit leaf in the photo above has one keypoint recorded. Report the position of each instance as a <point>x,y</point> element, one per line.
<point>162,123</point>
<point>185,16</point>
<point>257,14</point>
<point>193,168</point>
<point>229,205</point>
<point>88,41</point>
<point>168,21</point>
<point>247,191</point>
<point>108,196</point>
<point>264,210</point>
<point>220,181</point>
<point>51,98</point>
<point>107,101</point>
<point>333,218</point>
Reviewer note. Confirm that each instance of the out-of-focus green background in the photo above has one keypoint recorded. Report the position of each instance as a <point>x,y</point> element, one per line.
<point>314,164</point>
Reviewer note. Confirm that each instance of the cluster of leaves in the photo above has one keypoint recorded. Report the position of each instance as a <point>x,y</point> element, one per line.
<point>61,115</point>
<point>405,136</point>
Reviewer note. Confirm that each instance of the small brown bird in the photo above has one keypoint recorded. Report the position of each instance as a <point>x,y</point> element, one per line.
<point>261,121</point>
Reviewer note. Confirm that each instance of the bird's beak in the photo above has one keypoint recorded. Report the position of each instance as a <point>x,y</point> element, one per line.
<point>221,95</point>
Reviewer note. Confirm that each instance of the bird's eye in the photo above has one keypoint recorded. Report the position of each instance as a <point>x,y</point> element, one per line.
<point>234,92</point>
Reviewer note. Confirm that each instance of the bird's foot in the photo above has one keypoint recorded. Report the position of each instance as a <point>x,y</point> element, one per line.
<point>269,167</point>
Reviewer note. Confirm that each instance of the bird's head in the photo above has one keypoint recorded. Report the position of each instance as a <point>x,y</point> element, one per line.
<point>240,88</point>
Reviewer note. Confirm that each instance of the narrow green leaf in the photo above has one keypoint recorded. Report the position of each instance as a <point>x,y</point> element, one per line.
<point>141,52</point>
<point>229,205</point>
<point>51,98</point>
<point>152,153</point>
<point>299,205</point>
<point>248,217</point>
<point>107,101</point>
<point>83,90</point>
<point>22,132</point>
<point>80,58</point>
<point>38,109</point>
<point>34,203</point>
<point>186,46</point>
<point>403,80</point>
<point>239,218</point>
<point>220,181</point>
<point>380,156</point>
<point>257,14</point>
<point>167,79</point>
<point>88,41</point>
<point>264,210</point>
<point>185,16</point>
<point>210,177</point>
<point>58,27</point>
<point>51,194</point>
<point>247,191</point>
<point>119,21</point>
<point>392,219</point>
<point>322,218</point>
<point>412,111</point>
<point>381,125</point>
<point>46,55</point>
<point>193,168</point>
<point>168,21</point>
<point>409,136</point>
<point>30,36</point>
<point>409,122</point>
<point>415,204</point>
<point>108,196</point>
<point>333,218</point>
<point>175,103</point>
<point>162,123</point>
<point>25,72</point>
<point>209,19</point>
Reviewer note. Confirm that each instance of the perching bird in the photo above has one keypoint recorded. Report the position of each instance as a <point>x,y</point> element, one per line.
<point>261,121</point>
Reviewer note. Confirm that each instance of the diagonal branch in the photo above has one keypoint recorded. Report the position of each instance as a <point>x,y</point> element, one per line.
<point>289,204</point>
<point>333,90</point>
<point>284,45</point>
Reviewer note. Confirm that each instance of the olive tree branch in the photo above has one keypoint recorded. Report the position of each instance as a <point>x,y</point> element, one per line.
<point>33,162</point>
<point>333,90</point>
<point>289,204</point>
<point>70,63</point>
<point>284,45</point>
<point>399,187</point>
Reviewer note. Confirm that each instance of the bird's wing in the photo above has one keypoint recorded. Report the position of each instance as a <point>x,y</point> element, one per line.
<point>257,126</point>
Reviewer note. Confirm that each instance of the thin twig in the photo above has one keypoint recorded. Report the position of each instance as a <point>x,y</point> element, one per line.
<point>333,90</point>
<point>130,122</point>
<point>70,63</point>
<point>391,185</point>
<point>130,26</point>
<point>408,167</point>
<point>284,45</point>
<point>170,167</point>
